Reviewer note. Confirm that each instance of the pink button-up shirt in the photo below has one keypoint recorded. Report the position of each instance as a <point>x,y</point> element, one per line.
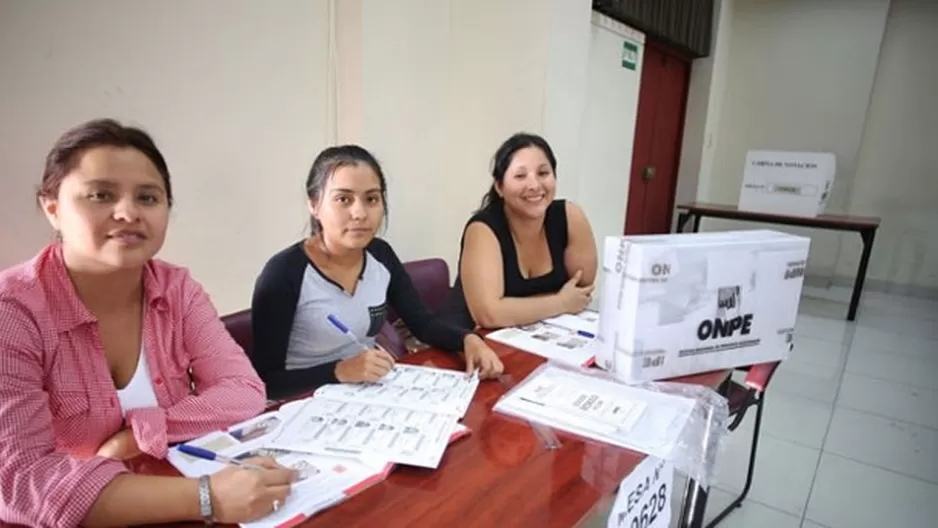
<point>58,403</point>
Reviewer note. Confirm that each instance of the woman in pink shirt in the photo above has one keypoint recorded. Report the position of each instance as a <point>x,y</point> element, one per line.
<point>107,353</point>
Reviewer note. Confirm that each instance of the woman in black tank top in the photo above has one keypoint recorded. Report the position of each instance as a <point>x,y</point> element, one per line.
<point>524,256</point>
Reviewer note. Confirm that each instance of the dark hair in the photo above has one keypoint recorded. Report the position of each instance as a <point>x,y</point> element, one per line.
<point>68,149</point>
<point>330,160</point>
<point>502,160</point>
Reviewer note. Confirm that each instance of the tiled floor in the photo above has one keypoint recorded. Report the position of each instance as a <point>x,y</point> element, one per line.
<point>850,430</point>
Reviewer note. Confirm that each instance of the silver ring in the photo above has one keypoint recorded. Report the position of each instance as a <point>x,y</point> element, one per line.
<point>276,504</point>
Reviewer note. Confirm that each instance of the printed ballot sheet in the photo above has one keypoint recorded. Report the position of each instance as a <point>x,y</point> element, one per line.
<point>598,408</point>
<point>551,341</point>
<point>322,480</point>
<point>348,428</point>
<point>422,388</point>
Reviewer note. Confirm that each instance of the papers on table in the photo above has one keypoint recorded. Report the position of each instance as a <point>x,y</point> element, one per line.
<point>346,437</point>
<point>596,407</point>
<point>586,322</point>
<point>397,434</point>
<point>551,341</point>
<point>408,417</point>
<point>424,388</point>
<point>324,480</point>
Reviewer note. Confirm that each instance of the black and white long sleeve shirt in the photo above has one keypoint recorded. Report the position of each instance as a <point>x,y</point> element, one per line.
<point>295,346</point>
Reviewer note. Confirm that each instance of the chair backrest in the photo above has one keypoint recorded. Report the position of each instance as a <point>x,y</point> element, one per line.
<point>431,279</point>
<point>389,339</point>
<point>239,326</point>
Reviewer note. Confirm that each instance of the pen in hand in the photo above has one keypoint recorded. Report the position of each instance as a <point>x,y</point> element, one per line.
<point>370,366</point>
<point>345,330</point>
<point>205,454</point>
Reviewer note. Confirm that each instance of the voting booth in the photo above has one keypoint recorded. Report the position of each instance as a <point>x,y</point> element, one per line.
<point>787,183</point>
<point>674,305</point>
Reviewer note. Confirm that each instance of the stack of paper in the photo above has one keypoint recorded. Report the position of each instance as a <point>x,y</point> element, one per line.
<point>406,418</point>
<point>598,408</point>
<point>346,437</point>
<point>568,339</point>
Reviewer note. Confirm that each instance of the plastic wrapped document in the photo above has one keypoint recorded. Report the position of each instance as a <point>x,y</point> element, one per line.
<point>684,424</point>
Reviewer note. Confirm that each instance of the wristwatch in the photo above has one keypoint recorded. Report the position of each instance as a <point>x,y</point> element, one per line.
<point>205,500</point>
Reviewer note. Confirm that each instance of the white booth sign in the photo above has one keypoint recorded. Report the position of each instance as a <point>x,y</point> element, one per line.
<point>644,498</point>
<point>787,183</point>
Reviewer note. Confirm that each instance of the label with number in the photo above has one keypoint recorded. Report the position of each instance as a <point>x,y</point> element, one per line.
<point>644,498</point>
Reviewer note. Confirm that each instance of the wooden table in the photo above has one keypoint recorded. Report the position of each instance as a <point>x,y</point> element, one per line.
<point>866,226</point>
<point>500,475</point>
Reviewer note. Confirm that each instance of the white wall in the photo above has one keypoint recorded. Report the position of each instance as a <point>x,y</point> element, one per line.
<point>234,92</point>
<point>608,127</point>
<point>897,166</point>
<point>241,97</point>
<point>705,95</point>
<point>788,65</point>
<point>443,83</point>
<point>855,78</point>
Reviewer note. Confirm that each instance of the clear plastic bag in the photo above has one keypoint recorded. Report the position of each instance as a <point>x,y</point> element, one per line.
<point>683,423</point>
<point>703,439</point>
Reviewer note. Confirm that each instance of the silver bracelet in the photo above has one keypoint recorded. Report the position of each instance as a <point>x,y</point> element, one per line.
<point>205,500</point>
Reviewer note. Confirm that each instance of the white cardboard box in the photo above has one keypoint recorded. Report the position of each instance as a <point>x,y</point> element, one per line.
<point>787,183</point>
<point>674,305</point>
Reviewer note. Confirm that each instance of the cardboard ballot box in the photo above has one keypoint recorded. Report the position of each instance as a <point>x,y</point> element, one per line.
<point>787,183</point>
<point>674,305</point>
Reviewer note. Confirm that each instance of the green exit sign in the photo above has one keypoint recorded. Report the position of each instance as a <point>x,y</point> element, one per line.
<point>629,54</point>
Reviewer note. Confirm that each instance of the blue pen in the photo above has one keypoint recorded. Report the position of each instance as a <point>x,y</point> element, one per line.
<point>200,452</point>
<point>345,330</point>
<point>581,333</point>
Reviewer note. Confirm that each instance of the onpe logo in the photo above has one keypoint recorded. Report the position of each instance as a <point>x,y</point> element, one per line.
<point>717,328</point>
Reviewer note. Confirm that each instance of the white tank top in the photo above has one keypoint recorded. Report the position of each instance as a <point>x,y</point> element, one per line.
<point>139,393</point>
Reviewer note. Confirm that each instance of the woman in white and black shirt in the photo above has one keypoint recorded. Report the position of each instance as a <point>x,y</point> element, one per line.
<point>342,270</point>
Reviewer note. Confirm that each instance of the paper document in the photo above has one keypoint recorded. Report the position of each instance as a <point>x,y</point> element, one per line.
<point>324,480</point>
<point>553,342</point>
<point>342,428</point>
<point>420,388</point>
<point>598,408</point>
<point>586,321</point>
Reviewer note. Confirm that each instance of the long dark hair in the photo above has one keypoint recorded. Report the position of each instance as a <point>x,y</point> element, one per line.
<point>330,160</point>
<point>502,160</point>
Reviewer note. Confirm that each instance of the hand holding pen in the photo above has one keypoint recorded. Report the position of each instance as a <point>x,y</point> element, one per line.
<point>370,365</point>
<point>245,490</point>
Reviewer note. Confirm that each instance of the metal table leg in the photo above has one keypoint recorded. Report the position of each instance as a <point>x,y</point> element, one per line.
<point>861,272</point>
<point>693,506</point>
<point>682,219</point>
<point>697,223</point>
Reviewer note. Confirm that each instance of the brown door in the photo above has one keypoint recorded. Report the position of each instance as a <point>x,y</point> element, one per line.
<point>657,149</point>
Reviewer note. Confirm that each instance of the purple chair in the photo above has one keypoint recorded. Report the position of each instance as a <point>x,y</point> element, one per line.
<point>238,325</point>
<point>431,279</point>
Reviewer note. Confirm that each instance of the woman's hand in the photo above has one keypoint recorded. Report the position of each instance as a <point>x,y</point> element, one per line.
<point>573,297</point>
<point>370,365</point>
<point>480,356</point>
<point>241,495</point>
<point>121,446</point>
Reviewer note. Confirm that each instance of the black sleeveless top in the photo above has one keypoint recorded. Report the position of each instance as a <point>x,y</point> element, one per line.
<point>455,308</point>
